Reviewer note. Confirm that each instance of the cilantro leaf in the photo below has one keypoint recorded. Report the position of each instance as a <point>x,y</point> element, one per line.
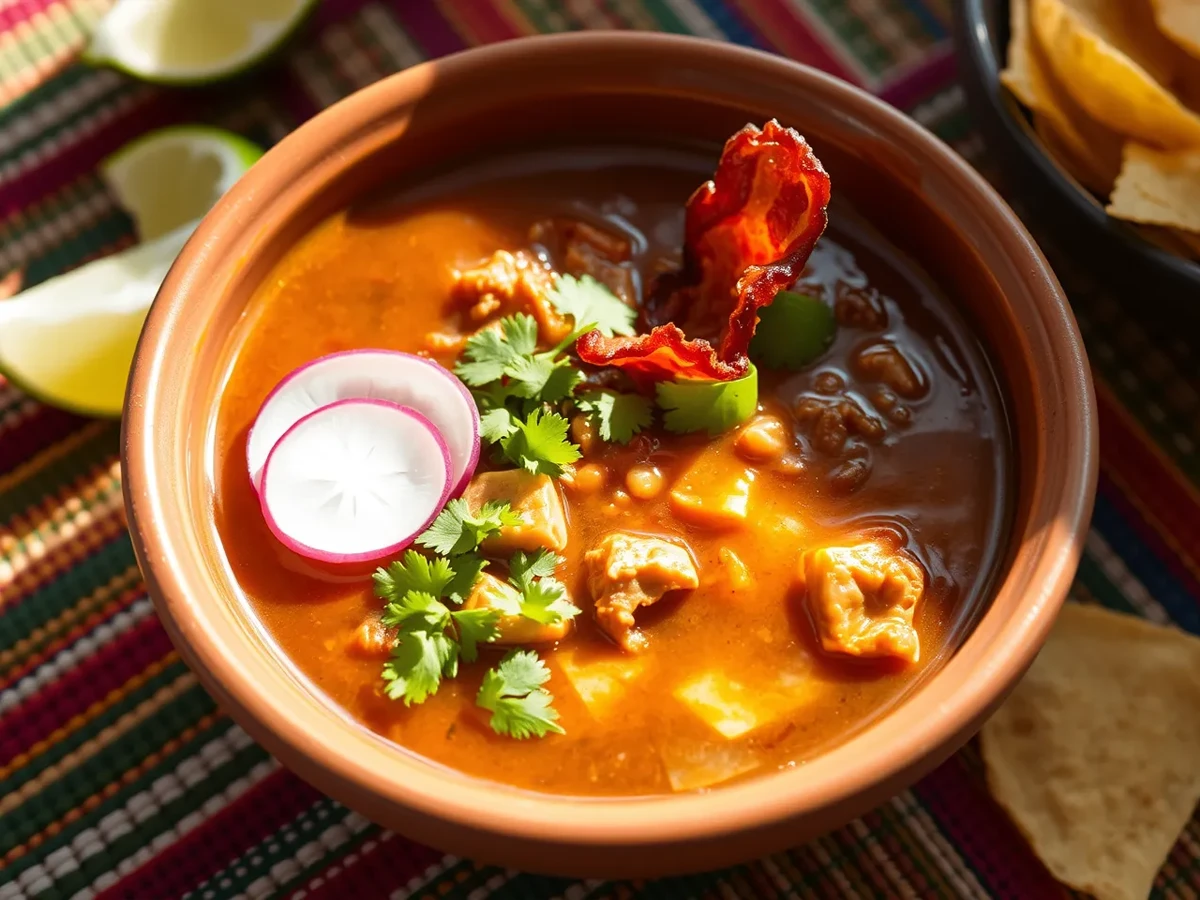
<point>416,610</point>
<point>524,567</point>
<point>521,332</point>
<point>413,572</point>
<point>467,569</point>
<point>485,357</point>
<point>792,331</point>
<point>475,627</point>
<point>457,531</point>
<point>546,602</point>
<point>591,303</point>
<point>490,352</point>
<point>545,599</point>
<point>712,406</point>
<point>540,445</point>
<point>618,417</point>
<point>530,374</point>
<point>496,424</point>
<point>561,382</point>
<point>419,661</point>
<point>512,692</point>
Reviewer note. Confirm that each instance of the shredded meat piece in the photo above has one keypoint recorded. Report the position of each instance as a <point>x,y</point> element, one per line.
<point>886,363</point>
<point>830,422</point>
<point>509,283</point>
<point>626,571</point>
<point>859,308</point>
<point>862,599</point>
<point>584,249</point>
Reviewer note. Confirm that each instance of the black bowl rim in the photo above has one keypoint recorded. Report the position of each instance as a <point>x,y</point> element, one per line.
<point>978,43</point>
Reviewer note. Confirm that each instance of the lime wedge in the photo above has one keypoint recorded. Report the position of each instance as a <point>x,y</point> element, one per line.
<point>174,175</point>
<point>192,41</point>
<point>69,341</point>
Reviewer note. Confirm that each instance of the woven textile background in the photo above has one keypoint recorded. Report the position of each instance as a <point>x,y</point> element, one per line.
<point>119,777</point>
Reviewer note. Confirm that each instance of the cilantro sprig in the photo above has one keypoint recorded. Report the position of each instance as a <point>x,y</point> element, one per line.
<point>424,599</point>
<point>512,692</point>
<point>541,596</point>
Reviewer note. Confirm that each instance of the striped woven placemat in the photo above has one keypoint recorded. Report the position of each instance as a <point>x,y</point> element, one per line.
<point>120,778</point>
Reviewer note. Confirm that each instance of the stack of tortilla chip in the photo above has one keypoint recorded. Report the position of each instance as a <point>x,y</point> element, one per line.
<point>1114,90</point>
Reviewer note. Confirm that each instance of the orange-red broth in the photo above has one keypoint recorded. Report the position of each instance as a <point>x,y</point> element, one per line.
<point>381,277</point>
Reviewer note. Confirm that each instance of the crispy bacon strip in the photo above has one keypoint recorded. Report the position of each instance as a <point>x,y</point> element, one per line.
<point>748,235</point>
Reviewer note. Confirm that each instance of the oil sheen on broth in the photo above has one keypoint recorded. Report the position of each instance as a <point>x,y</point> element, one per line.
<point>918,455</point>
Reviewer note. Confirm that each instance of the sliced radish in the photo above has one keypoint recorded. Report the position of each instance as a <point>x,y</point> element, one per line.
<point>356,480</point>
<point>402,378</point>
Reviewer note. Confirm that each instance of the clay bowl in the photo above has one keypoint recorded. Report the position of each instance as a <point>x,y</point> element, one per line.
<point>915,190</point>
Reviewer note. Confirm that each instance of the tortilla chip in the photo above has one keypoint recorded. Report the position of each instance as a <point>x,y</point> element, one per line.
<point>1180,21</point>
<point>1117,67</point>
<point>1095,147</point>
<point>1158,188</point>
<point>1096,754</point>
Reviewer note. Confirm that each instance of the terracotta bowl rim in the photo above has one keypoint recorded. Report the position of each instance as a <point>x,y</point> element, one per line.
<point>923,726</point>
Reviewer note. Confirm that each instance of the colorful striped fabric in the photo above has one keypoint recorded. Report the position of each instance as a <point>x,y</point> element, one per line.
<point>118,775</point>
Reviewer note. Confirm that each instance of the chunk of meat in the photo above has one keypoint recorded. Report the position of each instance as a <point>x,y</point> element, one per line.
<point>830,422</point>
<point>584,249</point>
<point>535,497</point>
<point>886,363</point>
<point>492,593</point>
<point>862,599</point>
<point>714,491</point>
<point>372,639</point>
<point>626,571</point>
<point>508,283</point>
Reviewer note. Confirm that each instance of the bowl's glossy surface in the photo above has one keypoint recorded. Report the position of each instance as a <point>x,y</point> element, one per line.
<point>1070,212</point>
<point>918,193</point>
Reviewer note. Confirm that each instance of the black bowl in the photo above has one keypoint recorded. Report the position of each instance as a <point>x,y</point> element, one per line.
<point>1058,205</point>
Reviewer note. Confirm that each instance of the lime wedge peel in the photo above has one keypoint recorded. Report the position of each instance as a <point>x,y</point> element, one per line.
<point>192,41</point>
<point>70,340</point>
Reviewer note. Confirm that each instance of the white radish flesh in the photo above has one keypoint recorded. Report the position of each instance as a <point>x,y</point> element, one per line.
<point>412,381</point>
<point>355,481</point>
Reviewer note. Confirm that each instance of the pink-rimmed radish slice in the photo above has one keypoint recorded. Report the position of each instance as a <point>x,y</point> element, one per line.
<point>354,481</point>
<point>402,378</point>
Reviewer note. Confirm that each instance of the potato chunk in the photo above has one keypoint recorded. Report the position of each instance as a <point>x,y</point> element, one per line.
<point>714,492</point>
<point>600,683</point>
<point>862,599</point>
<point>732,709</point>
<point>492,593</point>
<point>630,570</point>
<point>535,497</point>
